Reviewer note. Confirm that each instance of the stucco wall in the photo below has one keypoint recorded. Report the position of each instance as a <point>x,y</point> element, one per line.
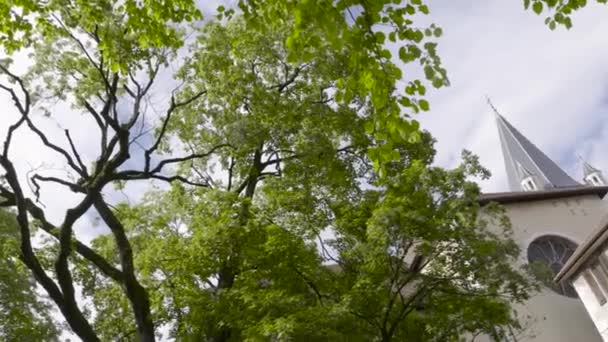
<point>556,318</point>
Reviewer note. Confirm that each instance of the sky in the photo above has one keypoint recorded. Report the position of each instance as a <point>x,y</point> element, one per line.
<point>550,85</point>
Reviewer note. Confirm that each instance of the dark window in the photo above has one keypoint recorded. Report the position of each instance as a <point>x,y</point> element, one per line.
<point>553,251</point>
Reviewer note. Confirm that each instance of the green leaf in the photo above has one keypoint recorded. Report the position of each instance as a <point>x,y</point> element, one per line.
<point>424,105</point>
<point>537,7</point>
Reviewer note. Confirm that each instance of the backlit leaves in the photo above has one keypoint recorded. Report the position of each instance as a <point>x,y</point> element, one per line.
<point>560,11</point>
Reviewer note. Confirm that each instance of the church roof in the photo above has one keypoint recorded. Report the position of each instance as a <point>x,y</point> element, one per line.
<point>519,153</point>
<point>525,196</point>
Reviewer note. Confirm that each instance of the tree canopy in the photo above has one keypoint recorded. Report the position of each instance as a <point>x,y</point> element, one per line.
<point>300,199</point>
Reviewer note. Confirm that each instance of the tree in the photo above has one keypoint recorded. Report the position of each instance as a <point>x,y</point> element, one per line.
<point>280,127</point>
<point>561,10</point>
<point>239,259</point>
<point>21,312</point>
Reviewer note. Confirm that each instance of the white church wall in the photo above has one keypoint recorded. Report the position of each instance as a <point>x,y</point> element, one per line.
<point>573,218</point>
<point>554,317</point>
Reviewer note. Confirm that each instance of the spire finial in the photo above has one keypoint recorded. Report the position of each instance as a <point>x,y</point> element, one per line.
<point>489,101</point>
<point>580,158</point>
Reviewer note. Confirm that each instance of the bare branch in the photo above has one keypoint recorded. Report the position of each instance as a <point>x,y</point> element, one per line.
<point>136,293</point>
<point>290,80</point>
<point>54,147</point>
<point>82,249</point>
<point>75,152</point>
<point>230,175</point>
<point>72,186</point>
<point>9,135</point>
<point>99,66</point>
<point>64,299</point>
<point>174,105</point>
<point>23,108</point>
<point>139,175</point>
<point>165,162</point>
<point>310,284</point>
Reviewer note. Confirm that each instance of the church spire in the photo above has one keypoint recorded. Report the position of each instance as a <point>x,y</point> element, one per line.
<point>521,154</point>
<point>591,175</point>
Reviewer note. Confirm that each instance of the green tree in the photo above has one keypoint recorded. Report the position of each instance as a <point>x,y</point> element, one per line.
<point>284,120</point>
<point>239,259</point>
<point>22,313</point>
<point>560,11</point>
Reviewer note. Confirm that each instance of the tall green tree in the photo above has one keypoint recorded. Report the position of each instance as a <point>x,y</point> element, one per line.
<point>22,312</point>
<point>246,258</point>
<point>287,122</point>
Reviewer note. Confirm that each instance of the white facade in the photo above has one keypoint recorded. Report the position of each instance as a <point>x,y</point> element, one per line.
<point>557,221</point>
<point>554,317</point>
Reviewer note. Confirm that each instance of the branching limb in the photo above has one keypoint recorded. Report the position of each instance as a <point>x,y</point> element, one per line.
<point>155,173</point>
<point>173,106</point>
<point>75,152</point>
<point>136,293</point>
<point>35,178</point>
<point>64,299</point>
<point>105,267</point>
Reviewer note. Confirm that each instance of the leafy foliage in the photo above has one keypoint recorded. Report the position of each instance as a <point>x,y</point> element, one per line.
<point>561,10</point>
<point>22,313</point>
<point>287,123</point>
<point>240,260</point>
<point>364,28</point>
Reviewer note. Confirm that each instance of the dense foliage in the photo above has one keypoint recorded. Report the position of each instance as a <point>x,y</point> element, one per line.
<point>22,313</point>
<point>302,204</point>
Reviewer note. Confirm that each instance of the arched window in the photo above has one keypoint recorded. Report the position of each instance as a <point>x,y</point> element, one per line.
<point>553,251</point>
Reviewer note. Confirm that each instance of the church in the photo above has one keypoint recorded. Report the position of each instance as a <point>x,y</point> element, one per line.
<point>562,223</point>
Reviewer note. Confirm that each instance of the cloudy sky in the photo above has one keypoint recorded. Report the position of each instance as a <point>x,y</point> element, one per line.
<point>550,85</point>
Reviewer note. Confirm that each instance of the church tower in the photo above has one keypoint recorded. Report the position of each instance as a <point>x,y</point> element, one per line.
<point>551,215</point>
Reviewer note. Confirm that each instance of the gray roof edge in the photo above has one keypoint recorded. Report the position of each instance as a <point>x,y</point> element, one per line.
<point>522,196</point>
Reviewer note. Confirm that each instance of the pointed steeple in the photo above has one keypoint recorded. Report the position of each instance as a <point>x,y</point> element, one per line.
<point>587,168</point>
<point>519,153</point>
<point>591,175</point>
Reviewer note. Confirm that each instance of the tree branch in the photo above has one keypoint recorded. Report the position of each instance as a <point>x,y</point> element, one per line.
<point>64,300</point>
<point>105,267</point>
<point>174,105</point>
<point>136,293</point>
<point>75,152</point>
